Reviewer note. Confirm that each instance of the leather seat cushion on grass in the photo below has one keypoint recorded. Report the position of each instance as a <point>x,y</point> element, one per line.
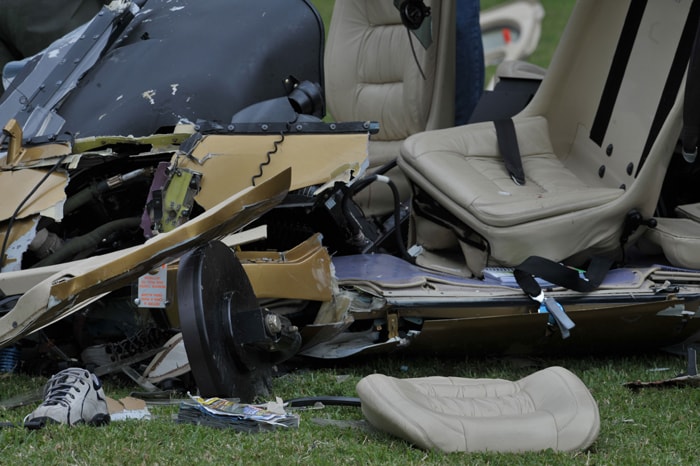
<point>551,408</point>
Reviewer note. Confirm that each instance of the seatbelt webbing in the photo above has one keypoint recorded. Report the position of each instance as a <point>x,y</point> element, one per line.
<point>559,274</point>
<point>691,104</point>
<point>508,146</point>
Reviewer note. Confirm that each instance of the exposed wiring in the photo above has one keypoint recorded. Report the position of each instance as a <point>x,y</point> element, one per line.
<point>354,225</point>
<point>21,205</point>
<point>270,153</point>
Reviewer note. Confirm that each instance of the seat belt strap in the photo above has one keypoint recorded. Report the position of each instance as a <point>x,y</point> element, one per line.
<point>558,274</point>
<point>508,146</point>
<point>691,104</point>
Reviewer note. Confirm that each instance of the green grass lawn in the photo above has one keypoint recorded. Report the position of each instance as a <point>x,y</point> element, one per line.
<point>647,427</point>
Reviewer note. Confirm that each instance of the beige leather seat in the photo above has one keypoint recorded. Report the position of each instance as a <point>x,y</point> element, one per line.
<point>677,238</point>
<point>551,408</point>
<point>371,74</point>
<point>595,143</point>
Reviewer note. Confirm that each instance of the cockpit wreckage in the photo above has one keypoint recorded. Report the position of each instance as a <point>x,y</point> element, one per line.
<point>166,196</point>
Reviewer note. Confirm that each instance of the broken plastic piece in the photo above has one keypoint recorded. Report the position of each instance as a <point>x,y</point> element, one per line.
<point>557,313</point>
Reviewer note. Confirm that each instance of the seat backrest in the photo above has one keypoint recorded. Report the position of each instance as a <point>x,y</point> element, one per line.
<point>596,140</point>
<point>371,72</point>
<point>609,94</point>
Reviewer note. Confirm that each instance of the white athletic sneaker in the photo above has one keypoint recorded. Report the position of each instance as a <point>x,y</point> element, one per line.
<point>72,396</point>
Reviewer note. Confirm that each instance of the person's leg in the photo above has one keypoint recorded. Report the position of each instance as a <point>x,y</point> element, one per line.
<point>469,60</point>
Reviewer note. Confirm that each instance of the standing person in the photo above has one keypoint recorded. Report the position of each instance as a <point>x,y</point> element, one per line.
<point>469,61</point>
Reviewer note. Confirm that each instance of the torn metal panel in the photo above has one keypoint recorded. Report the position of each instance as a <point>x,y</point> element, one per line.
<point>222,219</point>
<point>335,310</point>
<point>316,334</point>
<point>59,295</point>
<point>300,273</point>
<point>352,344</point>
<point>20,281</point>
<point>158,142</point>
<point>246,236</point>
<point>230,163</point>
<point>622,328</point>
<point>19,240</point>
<point>42,155</point>
<point>47,200</point>
<point>18,154</point>
<point>33,100</point>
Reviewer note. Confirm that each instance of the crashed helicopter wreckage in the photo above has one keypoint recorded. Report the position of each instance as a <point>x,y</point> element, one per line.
<point>329,282</point>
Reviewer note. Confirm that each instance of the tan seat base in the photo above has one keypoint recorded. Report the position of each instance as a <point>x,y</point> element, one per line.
<point>594,141</point>
<point>551,408</point>
<point>678,239</point>
<point>554,215</point>
<point>691,211</point>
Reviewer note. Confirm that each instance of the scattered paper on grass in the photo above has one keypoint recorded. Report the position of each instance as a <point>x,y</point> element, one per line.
<point>222,413</point>
<point>127,408</point>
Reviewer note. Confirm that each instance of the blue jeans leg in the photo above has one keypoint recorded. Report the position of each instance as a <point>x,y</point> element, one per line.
<point>469,82</point>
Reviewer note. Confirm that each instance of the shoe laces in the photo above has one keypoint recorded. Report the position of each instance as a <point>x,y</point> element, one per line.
<point>62,387</point>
